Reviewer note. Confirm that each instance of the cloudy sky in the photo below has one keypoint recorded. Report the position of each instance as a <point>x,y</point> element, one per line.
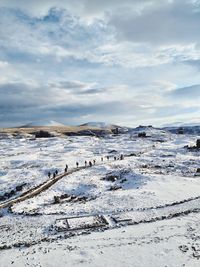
<point>128,62</point>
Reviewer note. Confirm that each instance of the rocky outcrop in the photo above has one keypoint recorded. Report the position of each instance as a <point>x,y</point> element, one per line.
<point>142,134</point>
<point>43,134</point>
<point>93,132</point>
<point>198,143</point>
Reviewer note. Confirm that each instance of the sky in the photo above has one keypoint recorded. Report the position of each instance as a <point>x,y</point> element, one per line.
<point>127,62</point>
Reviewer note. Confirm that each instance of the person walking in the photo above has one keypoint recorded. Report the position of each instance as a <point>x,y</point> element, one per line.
<point>85,163</point>
<point>49,174</point>
<point>94,161</point>
<point>90,163</point>
<point>77,164</point>
<point>66,168</point>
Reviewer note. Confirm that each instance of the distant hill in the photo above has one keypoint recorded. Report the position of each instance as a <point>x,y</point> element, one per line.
<point>98,124</point>
<point>172,129</point>
<point>42,124</point>
<point>103,125</point>
<point>101,128</point>
<point>185,129</point>
<point>149,130</point>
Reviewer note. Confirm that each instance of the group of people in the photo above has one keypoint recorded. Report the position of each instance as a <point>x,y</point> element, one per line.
<point>54,174</point>
<point>87,163</point>
<point>90,163</point>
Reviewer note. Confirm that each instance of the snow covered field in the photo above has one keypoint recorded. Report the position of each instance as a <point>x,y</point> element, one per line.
<point>149,201</point>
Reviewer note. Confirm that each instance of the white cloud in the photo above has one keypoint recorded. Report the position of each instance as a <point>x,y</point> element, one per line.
<point>126,58</point>
<point>166,22</point>
<point>3,64</point>
<point>88,10</point>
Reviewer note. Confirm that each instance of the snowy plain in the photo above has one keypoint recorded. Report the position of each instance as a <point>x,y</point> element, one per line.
<point>150,199</point>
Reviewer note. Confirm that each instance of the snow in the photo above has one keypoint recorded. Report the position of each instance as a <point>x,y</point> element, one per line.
<point>97,124</point>
<point>155,183</point>
<point>42,124</point>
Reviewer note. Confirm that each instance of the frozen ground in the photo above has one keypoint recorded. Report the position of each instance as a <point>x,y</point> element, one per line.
<point>150,202</point>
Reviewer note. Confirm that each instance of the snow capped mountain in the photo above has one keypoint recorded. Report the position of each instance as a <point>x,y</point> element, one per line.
<point>97,124</point>
<point>104,125</point>
<point>42,124</point>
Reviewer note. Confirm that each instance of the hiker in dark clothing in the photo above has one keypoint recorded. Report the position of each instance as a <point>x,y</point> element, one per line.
<point>107,157</point>
<point>90,163</point>
<point>121,157</point>
<point>115,158</point>
<point>66,168</point>
<point>54,175</point>
<point>85,163</point>
<point>102,159</point>
<point>94,161</point>
<point>56,172</point>
<point>77,164</point>
<point>49,174</point>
